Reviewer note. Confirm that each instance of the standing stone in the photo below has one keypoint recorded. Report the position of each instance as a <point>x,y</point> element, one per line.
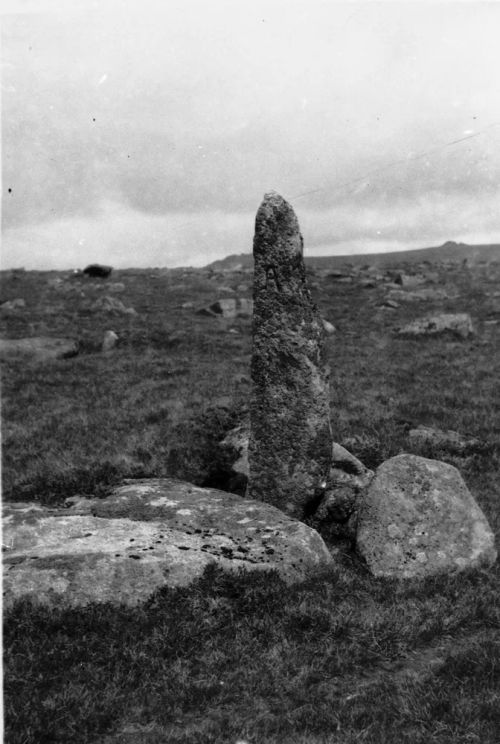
<point>291,439</point>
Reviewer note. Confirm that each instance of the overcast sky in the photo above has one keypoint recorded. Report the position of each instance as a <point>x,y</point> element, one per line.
<point>145,134</point>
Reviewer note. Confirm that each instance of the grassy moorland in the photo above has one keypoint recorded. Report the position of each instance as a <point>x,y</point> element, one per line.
<point>342,659</point>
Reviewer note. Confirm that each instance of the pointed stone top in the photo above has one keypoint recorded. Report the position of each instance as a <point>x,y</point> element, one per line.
<point>272,198</point>
<point>272,193</point>
<point>277,232</point>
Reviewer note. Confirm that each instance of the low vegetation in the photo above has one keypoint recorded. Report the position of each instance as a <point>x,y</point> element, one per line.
<point>344,658</point>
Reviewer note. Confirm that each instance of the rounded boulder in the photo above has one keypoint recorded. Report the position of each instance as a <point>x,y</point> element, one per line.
<point>418,518</point>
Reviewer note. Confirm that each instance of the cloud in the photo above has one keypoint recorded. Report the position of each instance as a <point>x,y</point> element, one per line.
<point>125,238</point>
<point>145,117</point>
<point>430,220</point>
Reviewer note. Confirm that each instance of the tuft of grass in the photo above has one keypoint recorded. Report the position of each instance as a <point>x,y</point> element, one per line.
<point>113,419</point>
<point>341,659</point>
<point>237,656</point>
<point>198,458</point>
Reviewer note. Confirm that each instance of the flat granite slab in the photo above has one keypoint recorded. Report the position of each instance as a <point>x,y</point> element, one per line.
<point>147,534</point>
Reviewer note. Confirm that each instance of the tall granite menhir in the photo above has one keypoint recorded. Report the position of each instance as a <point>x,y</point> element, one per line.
<point>290,440</point>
